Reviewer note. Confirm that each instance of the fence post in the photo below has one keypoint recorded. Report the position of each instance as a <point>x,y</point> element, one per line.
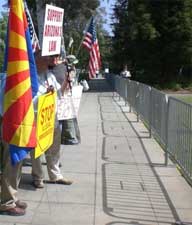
<point>113,84</point>
<point>117,86</point>
<point>119,91</point>
<point>166,130</point>
<point>129,91</point>
<point>137,101</point>
<point>150,112</point>
<point>126,101</point>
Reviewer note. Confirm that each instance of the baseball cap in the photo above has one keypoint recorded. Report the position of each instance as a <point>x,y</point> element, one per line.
<point>72,59</point>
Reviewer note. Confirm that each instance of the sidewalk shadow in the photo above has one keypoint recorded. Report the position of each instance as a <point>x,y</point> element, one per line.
<point>26,182</point>
<point>132,189</point>
<point>122,223</point>
<point>132,192</point>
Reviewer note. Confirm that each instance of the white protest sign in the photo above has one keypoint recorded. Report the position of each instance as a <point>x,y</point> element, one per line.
<point>68,105</point>
<point>52,33</point>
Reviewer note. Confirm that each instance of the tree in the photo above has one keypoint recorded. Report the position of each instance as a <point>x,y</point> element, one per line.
<point>76,16</point>
<point>3,30</point>
<point>120,33</point>
<point>155,37</point>
<point>175,36</point>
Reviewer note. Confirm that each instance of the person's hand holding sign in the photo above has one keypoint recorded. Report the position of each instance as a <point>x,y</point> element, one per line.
<point>50,89</point>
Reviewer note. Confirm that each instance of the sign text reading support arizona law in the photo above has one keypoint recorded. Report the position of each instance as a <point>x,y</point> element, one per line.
<point>52,33</point>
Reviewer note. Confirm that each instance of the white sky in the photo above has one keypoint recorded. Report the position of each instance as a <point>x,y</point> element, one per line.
<point>108,4</point>
<point>2,2</point>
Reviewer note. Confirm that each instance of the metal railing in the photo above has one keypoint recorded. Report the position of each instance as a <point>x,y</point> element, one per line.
<point>159,110</point>
<point>167,118</point>
<point>179,134</point>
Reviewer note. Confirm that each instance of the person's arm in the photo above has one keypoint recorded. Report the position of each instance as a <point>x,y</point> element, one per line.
<point>65,85</point>
<point>35,101</point>
<point>61,74</point>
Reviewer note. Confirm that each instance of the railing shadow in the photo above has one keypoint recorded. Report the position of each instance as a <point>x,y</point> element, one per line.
<point>132,189</point>
<point>132,192</point>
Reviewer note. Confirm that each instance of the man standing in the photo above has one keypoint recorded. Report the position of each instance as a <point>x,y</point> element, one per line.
<point>11,175</point>
<point>63,72</point>
<point>47,83</point>
<point>126,73</point>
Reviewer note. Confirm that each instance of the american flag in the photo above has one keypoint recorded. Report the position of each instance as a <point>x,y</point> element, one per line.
<point>91,44</point>
<point>33,36</point>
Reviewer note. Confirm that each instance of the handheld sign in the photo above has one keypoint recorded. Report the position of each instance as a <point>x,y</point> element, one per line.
<point>53,28</point>
<point>45,122</point>
<point>68,105</point>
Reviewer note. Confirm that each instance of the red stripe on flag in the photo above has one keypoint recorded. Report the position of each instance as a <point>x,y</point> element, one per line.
<point>16,25</point>
<point>11,81</point>
<point>94,61</point>
<point>15,111</point>
<point>25,20</point>
<point>87,41</point>
<point>32,138</point>
<point>98,55</point>
<point>16,54</point>
<point>87,46</point>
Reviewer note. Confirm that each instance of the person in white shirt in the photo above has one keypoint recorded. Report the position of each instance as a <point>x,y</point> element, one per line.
<point>66,72</point>
<point>47,83</point>
<point>126,73</point>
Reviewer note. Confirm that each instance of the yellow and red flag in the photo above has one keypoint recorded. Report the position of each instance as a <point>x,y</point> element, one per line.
<point>19,127</point>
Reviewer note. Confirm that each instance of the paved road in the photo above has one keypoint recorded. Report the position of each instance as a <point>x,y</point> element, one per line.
<point>118,172</point>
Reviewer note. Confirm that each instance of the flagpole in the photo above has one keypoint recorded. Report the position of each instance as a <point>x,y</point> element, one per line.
<point>87,25</point>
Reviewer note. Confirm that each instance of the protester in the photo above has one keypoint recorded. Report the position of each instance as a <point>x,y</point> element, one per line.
<point>66,72</point>
<point>126,73</point>
<point>47,83</point>
<point>97,73</point>
<point>11,175</point>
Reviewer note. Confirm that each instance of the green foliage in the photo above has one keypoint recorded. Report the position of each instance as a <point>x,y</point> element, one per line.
<point>76,13</point>
<point>154,38</point>
<point>3,30</point>
<point>76,17</point>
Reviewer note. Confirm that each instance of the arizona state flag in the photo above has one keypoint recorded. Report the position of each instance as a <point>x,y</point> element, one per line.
<point>19,128</point>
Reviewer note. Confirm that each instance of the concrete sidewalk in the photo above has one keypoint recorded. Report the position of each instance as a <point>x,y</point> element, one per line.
<point>118,172</point>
